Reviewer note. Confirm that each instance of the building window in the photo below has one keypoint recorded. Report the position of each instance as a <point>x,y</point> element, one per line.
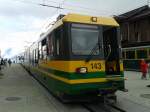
<point>130,54</point>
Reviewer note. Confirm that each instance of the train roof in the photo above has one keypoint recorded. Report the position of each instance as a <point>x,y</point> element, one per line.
<point>77,18</point>
<point>88,19</point>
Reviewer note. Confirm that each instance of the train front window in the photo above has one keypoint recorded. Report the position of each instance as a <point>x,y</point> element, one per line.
<point>84,39</point>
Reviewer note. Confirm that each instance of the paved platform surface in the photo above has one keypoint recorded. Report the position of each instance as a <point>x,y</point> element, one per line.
<point>133,100</point>
<point>32,97</point>
<point>17,83</point>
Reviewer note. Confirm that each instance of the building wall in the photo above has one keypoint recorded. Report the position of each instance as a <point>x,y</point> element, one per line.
<point>135,31</point>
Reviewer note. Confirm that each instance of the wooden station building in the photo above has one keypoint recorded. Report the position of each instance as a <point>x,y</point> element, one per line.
<point>135,27</point>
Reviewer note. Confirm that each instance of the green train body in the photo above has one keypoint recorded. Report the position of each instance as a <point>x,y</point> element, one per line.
<point>132,57</point>
<point>79,56</point>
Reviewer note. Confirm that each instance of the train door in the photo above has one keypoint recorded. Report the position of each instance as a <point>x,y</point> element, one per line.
<point>111,50</point>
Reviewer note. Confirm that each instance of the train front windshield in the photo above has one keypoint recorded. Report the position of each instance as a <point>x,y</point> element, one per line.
<point>89,38</point>
<point>84,38</point>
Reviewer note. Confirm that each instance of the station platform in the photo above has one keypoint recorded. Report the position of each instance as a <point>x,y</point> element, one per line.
<point>20,92</point>
<point>137,99</point>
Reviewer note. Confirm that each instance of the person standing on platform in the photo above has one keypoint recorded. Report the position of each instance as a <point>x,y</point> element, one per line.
<point>9,62</point>
<point>144,68</point>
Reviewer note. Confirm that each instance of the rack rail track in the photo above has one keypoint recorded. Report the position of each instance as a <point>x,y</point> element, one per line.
<point>105,106</point>
<point>104,109</point>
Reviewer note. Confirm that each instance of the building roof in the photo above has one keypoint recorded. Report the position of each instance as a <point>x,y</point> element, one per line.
<point>135,14</point>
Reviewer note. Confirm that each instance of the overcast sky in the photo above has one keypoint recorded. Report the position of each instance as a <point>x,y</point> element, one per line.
<point>21,21</point>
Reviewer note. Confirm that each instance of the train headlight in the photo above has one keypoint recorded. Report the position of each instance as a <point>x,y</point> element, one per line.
<point>81,70</point>
<point>94,19</point>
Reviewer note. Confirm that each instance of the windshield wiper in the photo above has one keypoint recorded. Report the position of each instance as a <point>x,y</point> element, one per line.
<point>94,50</point>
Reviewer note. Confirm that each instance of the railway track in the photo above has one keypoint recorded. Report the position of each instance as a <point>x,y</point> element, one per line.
<point>106,106</point>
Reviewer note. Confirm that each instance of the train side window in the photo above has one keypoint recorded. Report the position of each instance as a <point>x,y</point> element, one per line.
<point>57,46</point>
<point>27,56</point>
<point>130,54</point>
<point>59,42</point>
<point>40,50</point>
<point>141,53</point>
<point>32,59</point>
<point>37,56</point>
<point>44,49</point>
<point>50,45</point>
<point>30,55</point>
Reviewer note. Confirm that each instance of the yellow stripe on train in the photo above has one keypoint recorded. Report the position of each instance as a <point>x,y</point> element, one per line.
<point>71,66</point>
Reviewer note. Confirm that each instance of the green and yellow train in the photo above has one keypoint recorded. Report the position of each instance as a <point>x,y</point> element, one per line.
<point>132,57</point>
<point>78,56</point>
